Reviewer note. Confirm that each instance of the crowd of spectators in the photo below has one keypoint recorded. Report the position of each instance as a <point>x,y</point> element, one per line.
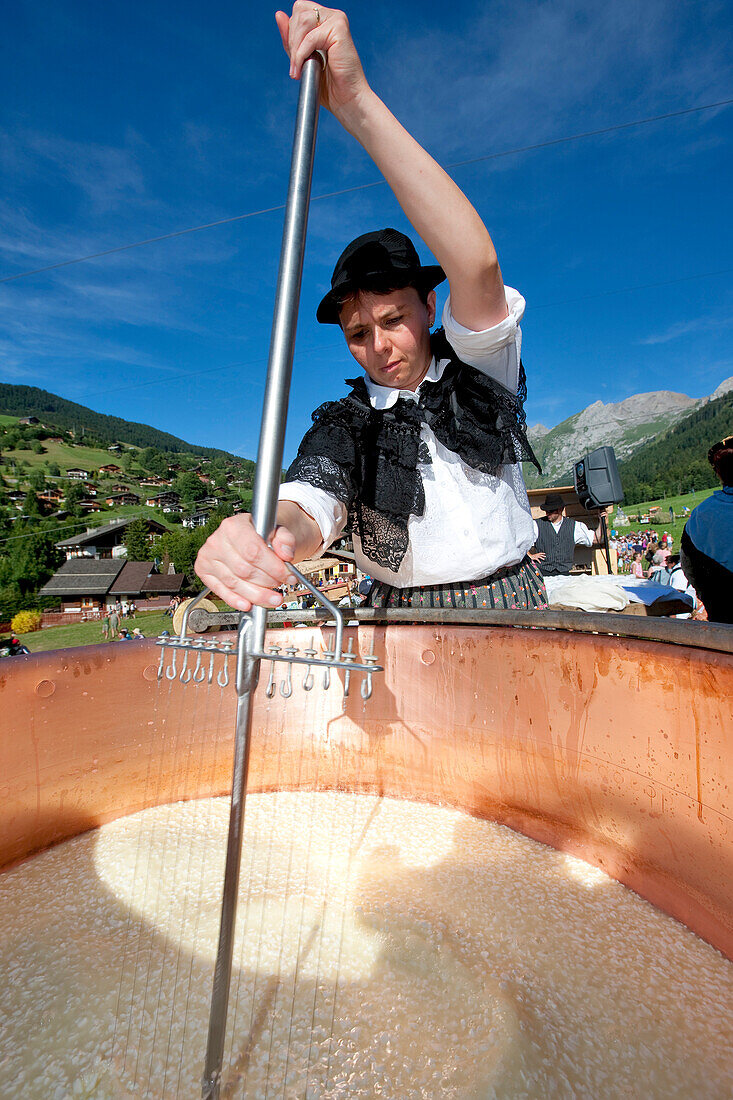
<point>649,555</point>
<point>641,552</point>
<point>704,567</point>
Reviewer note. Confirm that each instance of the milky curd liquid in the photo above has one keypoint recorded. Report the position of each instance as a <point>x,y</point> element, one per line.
<point>383,949</point>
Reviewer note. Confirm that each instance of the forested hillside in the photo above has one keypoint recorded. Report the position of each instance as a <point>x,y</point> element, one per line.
<point>677,462</point>
<point>56,481</point>
<point>30,401</point>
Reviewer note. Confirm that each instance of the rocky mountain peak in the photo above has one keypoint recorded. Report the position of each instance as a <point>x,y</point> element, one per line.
<point>625,425</point>
<point>724,387</point>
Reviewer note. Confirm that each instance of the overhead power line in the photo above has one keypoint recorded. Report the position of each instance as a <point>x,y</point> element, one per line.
<point>594,133</point>
<point>62,527</point>
<point>630,289</point>
<point>364,187</point>
<point>330,347</point>
<point>238,365</point>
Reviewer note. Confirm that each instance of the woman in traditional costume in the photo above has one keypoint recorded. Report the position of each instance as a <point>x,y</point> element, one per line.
<point>421,461</point>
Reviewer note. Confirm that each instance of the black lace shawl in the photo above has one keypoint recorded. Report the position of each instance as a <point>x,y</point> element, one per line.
<point>368,458</point>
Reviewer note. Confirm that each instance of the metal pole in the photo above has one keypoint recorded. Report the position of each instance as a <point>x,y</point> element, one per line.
<point>267,479</point>
<point>606,546</point>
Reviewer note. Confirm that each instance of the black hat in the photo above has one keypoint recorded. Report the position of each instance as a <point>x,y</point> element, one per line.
<point>553,502</point>
<point>382,254</point>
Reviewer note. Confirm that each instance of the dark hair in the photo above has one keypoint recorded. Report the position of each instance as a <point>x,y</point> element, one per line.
<point>383,284</point>
<point>722,463</point>
<point>673,559</point>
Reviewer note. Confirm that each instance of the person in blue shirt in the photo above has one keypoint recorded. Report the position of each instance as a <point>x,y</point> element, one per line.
<point>706,550</point>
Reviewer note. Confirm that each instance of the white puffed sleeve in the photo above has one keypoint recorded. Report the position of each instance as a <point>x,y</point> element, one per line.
<point>495,351</point>
<point>328,512</point>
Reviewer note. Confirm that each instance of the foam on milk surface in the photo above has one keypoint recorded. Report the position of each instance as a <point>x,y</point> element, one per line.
<point>383,949</point>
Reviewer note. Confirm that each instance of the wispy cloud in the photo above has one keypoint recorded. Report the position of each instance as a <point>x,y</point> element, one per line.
<point>680,329</point>
<point>507,72</point>
<point>109,176</point>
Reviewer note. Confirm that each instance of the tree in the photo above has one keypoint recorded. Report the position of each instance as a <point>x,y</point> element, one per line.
<point>188,487</point>
<point>36,480</point>
<point>53,469</point>
<point>10,600</point>
<point>136,540</point>
<point>73,495</point>
<point>181,547</point>
<point>31,505</point>
<point>33,560</point>
<point>153,461</point>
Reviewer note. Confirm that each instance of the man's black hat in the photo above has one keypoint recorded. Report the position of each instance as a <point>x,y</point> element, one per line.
<point>552,503</point>
<point>385,254</point>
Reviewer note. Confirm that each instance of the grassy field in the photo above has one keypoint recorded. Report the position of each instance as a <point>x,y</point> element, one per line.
<point>84,458</point>
<point>677,502</point>
<point>6,421</point>
<point>64,637</point>
<point>99,519</point>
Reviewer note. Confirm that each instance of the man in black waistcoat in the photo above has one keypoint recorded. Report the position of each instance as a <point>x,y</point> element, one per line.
<point>556,538</point>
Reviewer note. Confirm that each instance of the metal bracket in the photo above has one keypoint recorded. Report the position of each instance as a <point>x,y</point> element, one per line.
<point>192,658</point>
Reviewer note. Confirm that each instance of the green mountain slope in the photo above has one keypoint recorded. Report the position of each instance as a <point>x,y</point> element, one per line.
<point>626,425</point>
<point>676,462</point>
<point>30,401</point>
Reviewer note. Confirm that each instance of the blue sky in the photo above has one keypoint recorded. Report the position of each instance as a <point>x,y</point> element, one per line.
<point>123,122</point>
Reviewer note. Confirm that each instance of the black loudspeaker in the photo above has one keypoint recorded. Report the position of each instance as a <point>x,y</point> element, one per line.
<point>597,480</point>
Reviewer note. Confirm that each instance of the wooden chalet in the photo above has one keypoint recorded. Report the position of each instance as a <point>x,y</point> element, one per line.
<point>168,502</point>
<point>83,583</point>
<point>104,542</point>
<point>138,580</point>
<point>86,586</point>
<point>327,571</point>
<point>197,519</point>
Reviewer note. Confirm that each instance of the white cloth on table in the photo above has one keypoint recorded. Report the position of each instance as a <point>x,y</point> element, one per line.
<point>609,592</point>
<point>585,593</point>
<point>473,523</point>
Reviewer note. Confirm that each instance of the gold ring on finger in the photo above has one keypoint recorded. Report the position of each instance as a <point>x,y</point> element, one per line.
<point>317,12</point>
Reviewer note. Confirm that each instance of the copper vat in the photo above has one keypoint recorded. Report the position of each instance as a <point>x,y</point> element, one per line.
<point>615,748</point>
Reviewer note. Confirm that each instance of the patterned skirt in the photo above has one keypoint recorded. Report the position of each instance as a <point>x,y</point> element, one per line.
<point>518,587</point>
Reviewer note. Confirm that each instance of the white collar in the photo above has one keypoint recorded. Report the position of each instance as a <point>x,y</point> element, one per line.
<point>384,397</point>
